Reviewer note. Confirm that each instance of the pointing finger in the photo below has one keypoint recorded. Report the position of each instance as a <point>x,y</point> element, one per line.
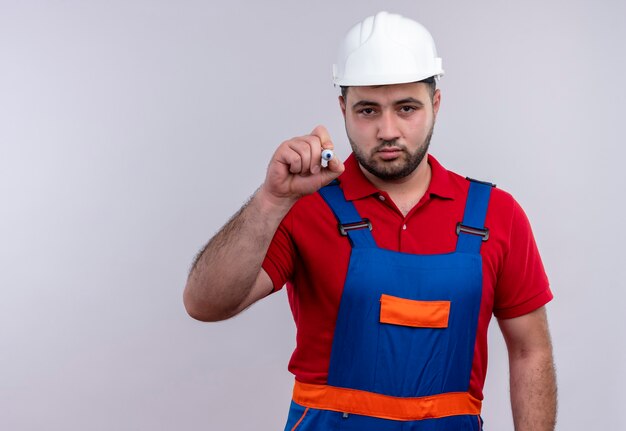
<point>324,137</point>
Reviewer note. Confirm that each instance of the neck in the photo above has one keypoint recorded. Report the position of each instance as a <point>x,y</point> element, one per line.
<point>405,192</point>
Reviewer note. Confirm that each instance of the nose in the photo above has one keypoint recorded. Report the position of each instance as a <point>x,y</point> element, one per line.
<point>387,127</point>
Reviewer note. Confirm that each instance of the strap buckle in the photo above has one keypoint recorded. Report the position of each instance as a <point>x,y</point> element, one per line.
<point>344,228</point>
<point>484,233</point>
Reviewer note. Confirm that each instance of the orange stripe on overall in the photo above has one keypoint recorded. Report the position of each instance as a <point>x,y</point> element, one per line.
<point>383,406</point>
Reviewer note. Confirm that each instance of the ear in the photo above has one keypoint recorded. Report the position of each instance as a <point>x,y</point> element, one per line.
<point>436,101</point>
<point>342,105</point>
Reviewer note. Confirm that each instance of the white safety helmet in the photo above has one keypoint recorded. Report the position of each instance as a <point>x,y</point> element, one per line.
<point>386,49</point>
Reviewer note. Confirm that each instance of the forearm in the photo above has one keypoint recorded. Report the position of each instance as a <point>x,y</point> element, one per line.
<point>533,390</point>
<point>226,276</point>
<point>226,269</point>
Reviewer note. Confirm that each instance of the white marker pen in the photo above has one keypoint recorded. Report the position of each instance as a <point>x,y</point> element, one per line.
<point>327,155</point>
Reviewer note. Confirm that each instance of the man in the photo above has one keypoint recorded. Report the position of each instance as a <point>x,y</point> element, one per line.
<point>394,270</point>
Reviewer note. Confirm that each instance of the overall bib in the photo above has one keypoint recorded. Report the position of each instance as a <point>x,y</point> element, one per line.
<point>404,340</point>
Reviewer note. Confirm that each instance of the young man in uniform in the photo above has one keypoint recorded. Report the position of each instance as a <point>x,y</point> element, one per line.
<point>393,264</point>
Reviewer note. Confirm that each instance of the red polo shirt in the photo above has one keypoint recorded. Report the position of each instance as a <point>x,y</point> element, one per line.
<point>308,254</point>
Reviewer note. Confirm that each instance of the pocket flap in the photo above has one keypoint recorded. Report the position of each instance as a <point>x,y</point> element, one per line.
<point>419,314</point>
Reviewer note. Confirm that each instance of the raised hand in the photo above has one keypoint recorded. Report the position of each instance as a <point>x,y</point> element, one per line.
<point>295,169</point>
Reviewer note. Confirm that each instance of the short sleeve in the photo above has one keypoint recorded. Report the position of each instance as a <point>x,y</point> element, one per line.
<point>279,260</point>
<point>522,285</point>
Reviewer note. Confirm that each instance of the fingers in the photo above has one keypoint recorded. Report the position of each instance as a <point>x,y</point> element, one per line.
<point>305,156</point>
<point>322,134</point>
<point>302,155</point>
<point>296,168</point>
<point>335,167</point>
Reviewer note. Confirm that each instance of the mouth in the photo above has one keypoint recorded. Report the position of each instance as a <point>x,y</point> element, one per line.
<point>389,153</point>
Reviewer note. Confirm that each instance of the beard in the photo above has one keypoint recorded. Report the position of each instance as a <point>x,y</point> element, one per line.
<point>393,169</point>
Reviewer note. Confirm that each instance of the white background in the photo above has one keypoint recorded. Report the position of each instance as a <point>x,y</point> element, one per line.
<point>130,131</point>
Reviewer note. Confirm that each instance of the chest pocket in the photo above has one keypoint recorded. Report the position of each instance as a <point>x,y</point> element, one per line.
<point>409,312</point>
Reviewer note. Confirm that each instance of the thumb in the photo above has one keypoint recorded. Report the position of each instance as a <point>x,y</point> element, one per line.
<point>333,170</point>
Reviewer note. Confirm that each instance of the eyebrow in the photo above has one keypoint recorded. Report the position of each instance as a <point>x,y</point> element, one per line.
<point>362,103</point>
<point>409,100</point>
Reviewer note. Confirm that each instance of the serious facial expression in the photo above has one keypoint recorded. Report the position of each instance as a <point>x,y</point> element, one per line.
<point>389,127</point>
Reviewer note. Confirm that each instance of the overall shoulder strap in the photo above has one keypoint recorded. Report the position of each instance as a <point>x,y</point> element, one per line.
<point>357,229</point>
<point>472,231</point>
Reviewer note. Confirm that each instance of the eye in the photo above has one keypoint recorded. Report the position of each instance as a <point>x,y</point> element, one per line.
<point>407,109</point>
<point>367,111</point>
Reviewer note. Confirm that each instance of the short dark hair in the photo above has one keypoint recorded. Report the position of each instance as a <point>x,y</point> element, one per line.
<point>431,83</point>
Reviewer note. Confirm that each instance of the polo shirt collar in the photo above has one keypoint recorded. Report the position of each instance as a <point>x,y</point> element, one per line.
<point>356,186</point>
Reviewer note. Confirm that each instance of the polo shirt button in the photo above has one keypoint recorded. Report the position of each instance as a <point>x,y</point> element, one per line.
<point>381,197</point>
<point>403,227</point>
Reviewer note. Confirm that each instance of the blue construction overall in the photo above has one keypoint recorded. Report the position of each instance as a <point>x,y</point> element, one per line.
<point>404,340</point>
